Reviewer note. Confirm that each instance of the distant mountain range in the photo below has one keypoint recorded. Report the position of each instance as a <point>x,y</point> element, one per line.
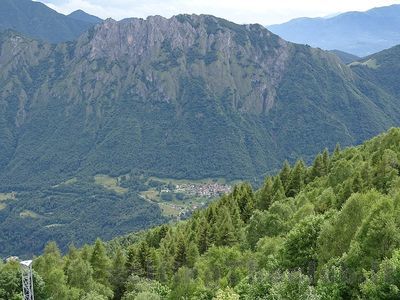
<point>358,33</point>
<point>85,17</point>
<point>36,20</point>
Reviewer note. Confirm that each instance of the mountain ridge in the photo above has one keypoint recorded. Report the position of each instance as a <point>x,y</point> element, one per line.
<point>359,33</point>
<point>36,20</point>
<point>166,60</point>
<point>84,16</point>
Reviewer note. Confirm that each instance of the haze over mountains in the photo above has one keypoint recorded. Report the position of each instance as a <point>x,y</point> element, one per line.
<point>358,33</point>
<point>190,97</point>
<point>36,20</point>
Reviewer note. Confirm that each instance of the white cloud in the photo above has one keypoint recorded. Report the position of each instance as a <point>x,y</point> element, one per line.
<point>250,11</point>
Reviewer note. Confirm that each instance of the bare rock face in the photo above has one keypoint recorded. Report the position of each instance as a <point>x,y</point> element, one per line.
<point>219,52</point>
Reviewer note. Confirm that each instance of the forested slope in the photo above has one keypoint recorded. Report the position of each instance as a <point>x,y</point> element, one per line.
<point>328,231</point>
<point>186,97</point>
<point>36,20</point>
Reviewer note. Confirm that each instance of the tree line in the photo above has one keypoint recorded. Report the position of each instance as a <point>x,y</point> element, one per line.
<point>325,231</point>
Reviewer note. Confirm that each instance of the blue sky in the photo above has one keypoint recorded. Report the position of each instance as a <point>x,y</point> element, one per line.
<point>265,12</point>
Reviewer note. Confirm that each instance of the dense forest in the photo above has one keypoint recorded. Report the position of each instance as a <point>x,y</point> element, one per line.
<point>79,212</point>
<point>327,231</point>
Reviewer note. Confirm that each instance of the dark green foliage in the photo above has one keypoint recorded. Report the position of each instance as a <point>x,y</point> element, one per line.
<point>301,247</point>
<point>79,212</point>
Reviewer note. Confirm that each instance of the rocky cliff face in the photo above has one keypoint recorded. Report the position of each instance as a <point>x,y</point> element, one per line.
<point>164,50</point>
<point>191,96</point>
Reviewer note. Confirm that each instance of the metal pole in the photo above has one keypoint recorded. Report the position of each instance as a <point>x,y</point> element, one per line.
<point>27,280</point>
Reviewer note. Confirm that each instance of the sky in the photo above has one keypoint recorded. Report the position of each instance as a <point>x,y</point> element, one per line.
<point>265,12</point>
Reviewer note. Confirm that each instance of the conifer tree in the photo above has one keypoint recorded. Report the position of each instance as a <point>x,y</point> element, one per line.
<point>278,190</point>
<point>265,195</point>
<point>226,231</point>
<point>100,263</point>
<point>50,267</point>
<point>336,152</point>
<point>203,235</point>
<point>296,180</point>
<point>325,161</point>
<point>192,254</point>
<point>243,194</point>
<point>285,175</point>
<point>181,257</point>
<point>318,167</point>
<point>79,274</point>
<point>118,274</point>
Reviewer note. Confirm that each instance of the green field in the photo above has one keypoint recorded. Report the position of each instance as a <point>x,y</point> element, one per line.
<point>29,214</point>
<point>110,183</point>
<point>7,196</point>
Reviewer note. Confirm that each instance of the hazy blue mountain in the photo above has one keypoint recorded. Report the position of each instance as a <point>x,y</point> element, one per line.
<point>34,19</point>
<point>84,16</point>
<point>359,33</point>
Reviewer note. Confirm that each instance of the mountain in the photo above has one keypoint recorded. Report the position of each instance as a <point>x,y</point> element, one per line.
<point>176,98</point>
<point>359,33</point>
<point>382,68</point>
<point>190,97</point>
<point>36,20</point>
<point>345,57</point>
<point>328,231</point>
<point>83,16</point>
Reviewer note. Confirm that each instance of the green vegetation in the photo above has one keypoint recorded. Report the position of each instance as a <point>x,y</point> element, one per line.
<point>185,112</point>
<point>387,74</point>
<point>370,63</point>
<point>328,231</point>
<point>78,211</point>
<point>7,196</point>
<point>81,131</point>
<point>110,183</point>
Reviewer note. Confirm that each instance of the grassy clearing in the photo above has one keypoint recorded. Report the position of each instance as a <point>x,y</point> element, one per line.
<point>151,195</point>
<point>7,196</point>
<point>370,63</point>
<point>29,214</point>
<point>109,183</point>
<point>53,225</point>
<point>169,210</point>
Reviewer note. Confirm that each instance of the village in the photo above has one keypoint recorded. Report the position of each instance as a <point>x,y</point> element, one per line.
<point>207,190</point>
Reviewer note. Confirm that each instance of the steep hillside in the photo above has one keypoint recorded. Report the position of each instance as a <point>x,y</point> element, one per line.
<point>186,97</point>
<point>382,68</point>
<point>328,231</point>
<point>345,57</point>
<point>359,33</point>
<point>36,20</point>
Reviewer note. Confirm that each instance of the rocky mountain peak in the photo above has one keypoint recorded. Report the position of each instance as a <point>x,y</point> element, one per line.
<point>138,38</point>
